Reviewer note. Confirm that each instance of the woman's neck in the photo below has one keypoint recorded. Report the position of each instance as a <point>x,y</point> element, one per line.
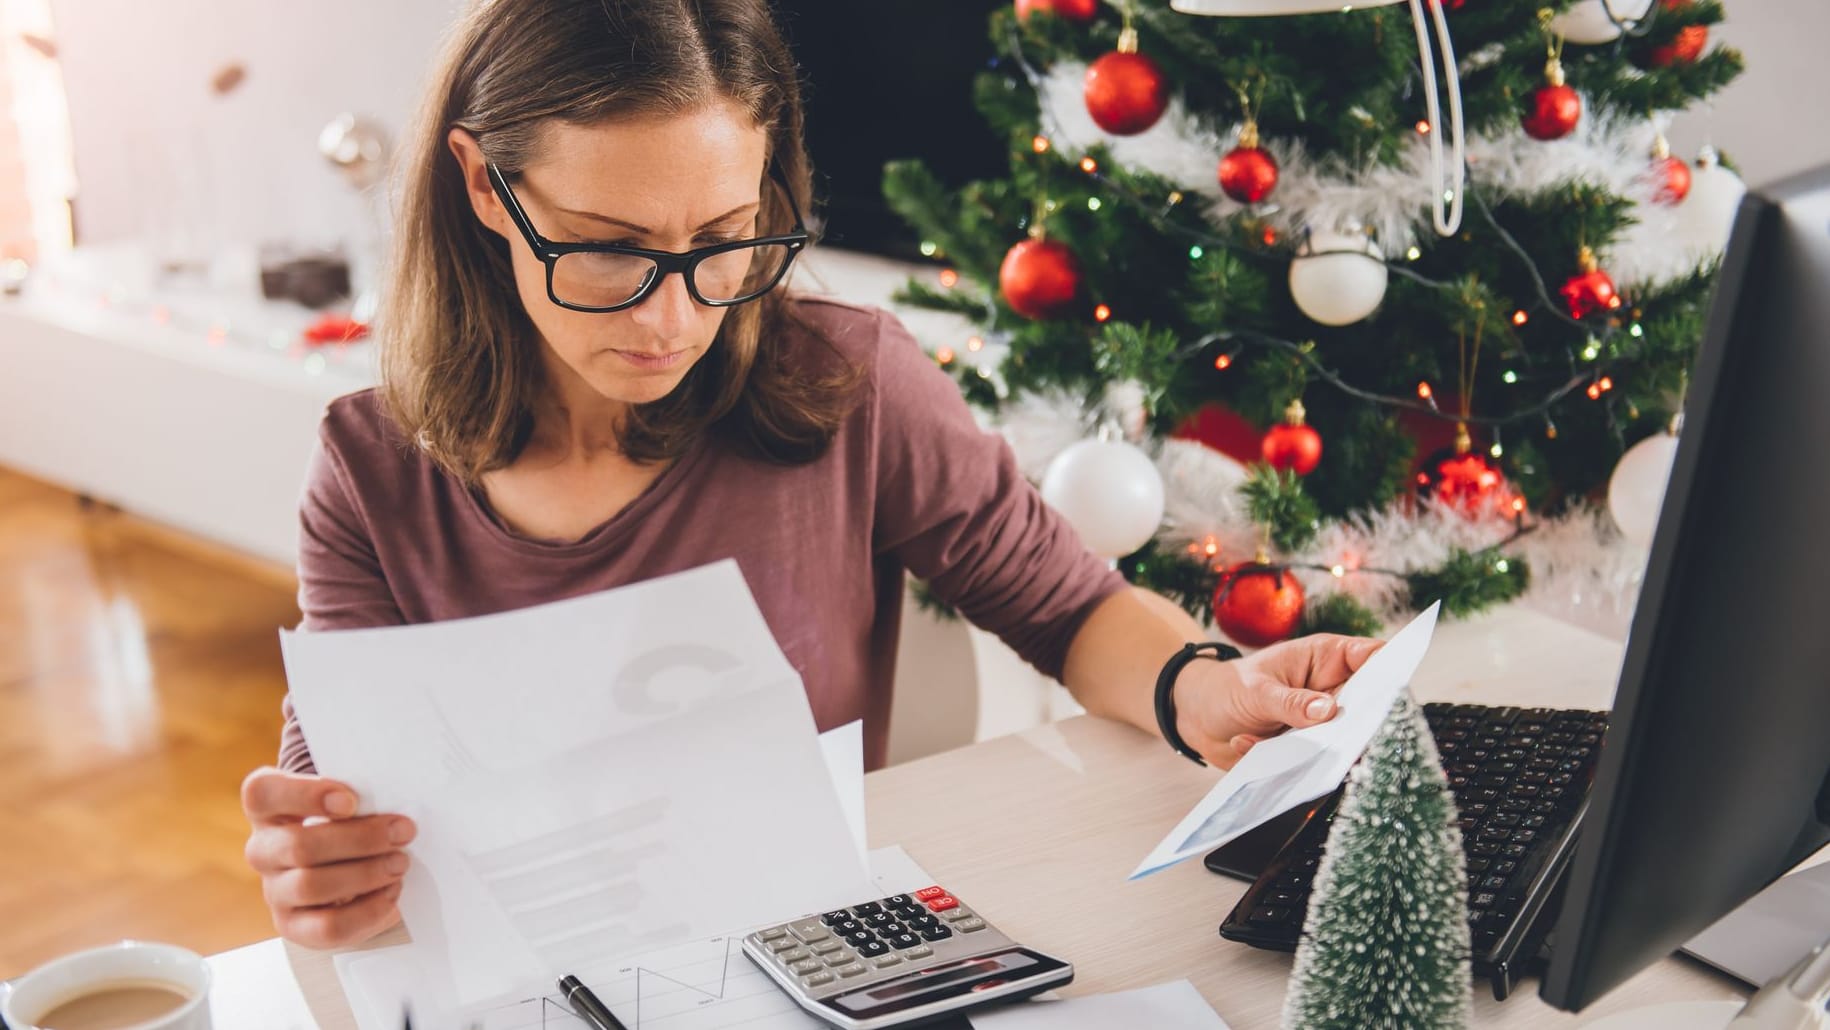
<point>573,422</point>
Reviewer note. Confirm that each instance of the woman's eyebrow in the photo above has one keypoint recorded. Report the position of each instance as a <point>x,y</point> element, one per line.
<point>632,227</point>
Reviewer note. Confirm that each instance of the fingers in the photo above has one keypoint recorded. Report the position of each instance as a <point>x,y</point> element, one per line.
<point>1291,706</point>
<point>337,926</point>
<point>335,883</point>
<point>270,796</point>
<point>1333,657</point>
<point>278,848</point>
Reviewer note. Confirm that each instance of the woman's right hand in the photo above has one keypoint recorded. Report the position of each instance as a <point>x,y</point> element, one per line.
<point>331,881</point>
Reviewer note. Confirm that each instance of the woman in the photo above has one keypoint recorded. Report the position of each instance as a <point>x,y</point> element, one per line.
<point>591,376</point>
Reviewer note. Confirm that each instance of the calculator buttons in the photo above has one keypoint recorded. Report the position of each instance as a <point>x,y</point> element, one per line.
<point>872,948</point>
<point>922,922</point>
<point>805,966</point>
<point>817,979</point>
<point>839,958</point>
<point>826,947</point>
<point>848,928</point>
<point>929,893</point>
<point>972,925</point>
<point>782,944</point>
<point>896,900</point>
<point>904,940</point>
<point>796,955</point>
<point>936,933</point>
<point>942,903</point>
<point>956,915</point>
<point>809,930</point>
<point>885,961</point>
<point>773,935</point>
<point>855,969</point>
<point>869,908</point>
<point>836,917</point>
<point>860,939</point>
<point>919,951</point>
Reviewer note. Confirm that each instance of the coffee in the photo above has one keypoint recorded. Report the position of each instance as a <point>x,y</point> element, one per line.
<point>114,1005</point>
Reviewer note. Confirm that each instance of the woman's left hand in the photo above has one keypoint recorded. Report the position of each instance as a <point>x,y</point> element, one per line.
<point>1223,708</point>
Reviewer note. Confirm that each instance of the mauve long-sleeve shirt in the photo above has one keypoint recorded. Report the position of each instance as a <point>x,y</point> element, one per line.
<point>910,482</point>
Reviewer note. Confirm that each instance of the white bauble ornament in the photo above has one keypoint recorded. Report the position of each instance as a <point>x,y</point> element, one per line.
<point>1637,488</point>
<point>1587,22</point>
<point>1109,491</point>
<point>1708,212</point>
<point>1338,278</point>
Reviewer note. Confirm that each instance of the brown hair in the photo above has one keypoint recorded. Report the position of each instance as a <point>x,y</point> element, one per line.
<point>458,371</point>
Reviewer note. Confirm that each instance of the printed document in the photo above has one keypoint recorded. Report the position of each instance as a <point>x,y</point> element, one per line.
<point>606,775</point>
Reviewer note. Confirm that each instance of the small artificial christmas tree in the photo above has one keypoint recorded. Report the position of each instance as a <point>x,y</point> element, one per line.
<point>1386,941</point>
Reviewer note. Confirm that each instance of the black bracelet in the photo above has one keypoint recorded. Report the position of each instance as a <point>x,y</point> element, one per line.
<point>1166,685</point>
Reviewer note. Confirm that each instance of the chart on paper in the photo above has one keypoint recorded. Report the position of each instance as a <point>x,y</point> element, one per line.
<point>705,985</point>
<point>702,985</point>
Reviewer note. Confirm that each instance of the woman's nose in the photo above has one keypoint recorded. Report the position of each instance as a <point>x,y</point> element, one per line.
<point>669,310</point>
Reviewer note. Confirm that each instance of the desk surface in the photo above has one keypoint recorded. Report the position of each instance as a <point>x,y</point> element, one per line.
<point>1041,828</point>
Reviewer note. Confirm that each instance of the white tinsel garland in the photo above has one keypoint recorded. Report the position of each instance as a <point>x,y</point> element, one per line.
<point>1582,569</point>
<point>1392,200</point>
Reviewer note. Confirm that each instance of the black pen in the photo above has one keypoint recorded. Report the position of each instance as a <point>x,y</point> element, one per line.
<point>586,1004</point>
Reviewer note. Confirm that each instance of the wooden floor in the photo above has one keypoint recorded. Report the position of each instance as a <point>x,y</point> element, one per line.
<point>140,679</point>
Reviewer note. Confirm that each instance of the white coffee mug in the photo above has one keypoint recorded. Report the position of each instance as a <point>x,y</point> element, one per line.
<point>43,990</point>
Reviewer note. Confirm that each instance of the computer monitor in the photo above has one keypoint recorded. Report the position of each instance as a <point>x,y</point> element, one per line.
<point>1715,775</point>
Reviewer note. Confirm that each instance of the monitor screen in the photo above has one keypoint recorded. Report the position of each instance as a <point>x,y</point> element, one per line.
<point>885,80</point>
<point>1715,776</point>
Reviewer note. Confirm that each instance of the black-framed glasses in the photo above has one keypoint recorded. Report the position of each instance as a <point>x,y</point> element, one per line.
<point>604,277</point>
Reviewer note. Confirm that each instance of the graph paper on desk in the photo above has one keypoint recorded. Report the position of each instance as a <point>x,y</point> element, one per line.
<point>701,985</point>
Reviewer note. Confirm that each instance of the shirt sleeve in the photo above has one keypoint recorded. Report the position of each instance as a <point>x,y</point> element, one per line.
<point>341,583</point>
<point>954,508</point>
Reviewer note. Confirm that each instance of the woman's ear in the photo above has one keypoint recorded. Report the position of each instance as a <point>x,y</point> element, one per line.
<point>475,168</point>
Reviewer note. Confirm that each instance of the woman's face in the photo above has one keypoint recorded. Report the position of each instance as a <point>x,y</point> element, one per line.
<point>673,183</point>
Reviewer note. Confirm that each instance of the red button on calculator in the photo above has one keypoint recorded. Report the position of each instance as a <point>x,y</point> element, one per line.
<point>930,893</point>
<point>943,903</point>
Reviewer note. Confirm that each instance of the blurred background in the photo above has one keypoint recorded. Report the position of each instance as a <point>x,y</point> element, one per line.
<point>193,202</point>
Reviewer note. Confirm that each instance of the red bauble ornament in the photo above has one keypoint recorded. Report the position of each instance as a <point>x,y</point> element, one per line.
<point>1670,180</point>
<point>1072,10</point>
<point>1292,445</point>
<point>1126,92</point>
<point>1589,290</point>
<point>1257,604</point>
<point>1552,111</point>
<point>1039,278</point>
<point>1684,48</point>
<point>1464,478</point>
<point>1248,172</point>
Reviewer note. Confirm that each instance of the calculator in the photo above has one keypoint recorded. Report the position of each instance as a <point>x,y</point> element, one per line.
<point>900,961</point>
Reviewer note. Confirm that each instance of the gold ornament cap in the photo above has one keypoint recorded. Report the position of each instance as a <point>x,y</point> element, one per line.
<point>1127,40</point>
<point>1248,134</point>
<point>1553,72</point>
<point>1295,413</point>
<point>1585,259</point>
<point>1463,442</point>
<point>1661,147</point>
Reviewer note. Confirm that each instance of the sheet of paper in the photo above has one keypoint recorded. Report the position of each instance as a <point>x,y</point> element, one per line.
<point>598,776</point>
<point>1170,1006</point>
<point>1299,765</point>
<point>843,749</point>
<point>700,985</point>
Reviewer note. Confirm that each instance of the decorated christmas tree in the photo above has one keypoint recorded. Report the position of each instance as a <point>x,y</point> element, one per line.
<point>1386,942</point>
<point>1263,236</point>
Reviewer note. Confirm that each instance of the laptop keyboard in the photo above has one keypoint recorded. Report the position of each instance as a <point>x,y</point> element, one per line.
<point>1520,777</point>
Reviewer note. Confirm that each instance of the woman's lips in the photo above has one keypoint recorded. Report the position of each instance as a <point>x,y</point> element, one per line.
<point>652,362</point>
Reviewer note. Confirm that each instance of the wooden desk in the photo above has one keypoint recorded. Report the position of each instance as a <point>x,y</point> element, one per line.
<point>1038,830</point>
